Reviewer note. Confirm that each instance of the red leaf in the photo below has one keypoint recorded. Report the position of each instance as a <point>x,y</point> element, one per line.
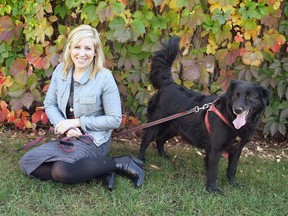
<point>36,117</point>
<point>44,118</point>
<point>52,55</point>
<point>2,78</point>
<point>123,122</point>
<point>34,55</point>
<point>38,63</point>
<point>17,66</point>
<point>18,123</point>
<point>8,29</point>
<point>184,40</point>
<point>124,2</point>
<point>3,111</point>
<point>6,26</point>
<point>134,121</point>
<point>11,117</point>
<point>2,116</point>
<point>270,2</point>
<point>39,116</point>
<point>45,63</point>
<point>16,103</point>
<point>45,88</point>
<point>3,105</point>
<point>231,56</point>
<point>238,38</point>
<point>27,100</point>
<point>24,114</point>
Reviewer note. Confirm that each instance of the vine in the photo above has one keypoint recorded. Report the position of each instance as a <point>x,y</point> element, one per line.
<point>220,41</point>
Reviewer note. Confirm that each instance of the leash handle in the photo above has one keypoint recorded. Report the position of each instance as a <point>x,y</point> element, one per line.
<point>64,140</point>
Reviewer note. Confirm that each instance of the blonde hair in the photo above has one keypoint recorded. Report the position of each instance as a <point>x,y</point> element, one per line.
<point>75,36</point>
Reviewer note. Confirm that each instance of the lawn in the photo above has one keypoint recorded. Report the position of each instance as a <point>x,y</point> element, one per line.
<point>172,187</point>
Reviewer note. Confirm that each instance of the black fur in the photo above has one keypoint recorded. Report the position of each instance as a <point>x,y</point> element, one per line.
<point>172,98</point>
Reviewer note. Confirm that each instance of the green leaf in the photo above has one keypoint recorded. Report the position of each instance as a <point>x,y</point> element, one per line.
<point>158,2</point>
<point>122,35</point>
<point>118,7</point>
<point>136,49</point>
<point>70,4</point>
<point>158,23</point>
<point>16,90</point>
<point>138,27</point>
<point>284,114</point>
<point>281,88</point>
<point>62,10</point>
<point>32,81</point>
<point>117,23</point>
<point>21,78</point>
<point>90,11</point>
<point>36,94</point>
<point>250,24</point>
<point>282,128</point>
<point>101,11</point>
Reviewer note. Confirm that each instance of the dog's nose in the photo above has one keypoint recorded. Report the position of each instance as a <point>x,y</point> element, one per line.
<point>238,110</point>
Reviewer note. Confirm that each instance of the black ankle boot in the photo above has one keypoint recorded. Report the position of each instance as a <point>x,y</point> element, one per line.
<point>131,167</point>
<point>109,180</point>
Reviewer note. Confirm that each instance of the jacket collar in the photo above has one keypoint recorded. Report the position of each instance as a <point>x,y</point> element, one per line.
<point>83,79</point>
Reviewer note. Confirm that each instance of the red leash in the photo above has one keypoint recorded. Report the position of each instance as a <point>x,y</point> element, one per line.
<point>65,141</point>
<point>34,142</point>
<point>159,121</point>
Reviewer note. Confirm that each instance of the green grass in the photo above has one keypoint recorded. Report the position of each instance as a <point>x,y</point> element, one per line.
<point>171,187</point>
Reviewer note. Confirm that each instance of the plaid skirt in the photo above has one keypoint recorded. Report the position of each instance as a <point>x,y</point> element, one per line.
<point>54,151</point>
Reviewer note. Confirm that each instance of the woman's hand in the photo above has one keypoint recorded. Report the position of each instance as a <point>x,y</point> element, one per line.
<point>73,132</point>
<point>63,126</point>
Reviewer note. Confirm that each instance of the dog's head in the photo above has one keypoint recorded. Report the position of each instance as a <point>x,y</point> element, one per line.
<point>246,100</point>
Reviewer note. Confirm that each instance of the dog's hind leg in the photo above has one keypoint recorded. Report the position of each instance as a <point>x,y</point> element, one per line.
<point>161,140</point>
<point>150,134</point>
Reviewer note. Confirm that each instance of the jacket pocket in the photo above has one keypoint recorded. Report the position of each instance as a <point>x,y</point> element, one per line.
<point>89,103</point>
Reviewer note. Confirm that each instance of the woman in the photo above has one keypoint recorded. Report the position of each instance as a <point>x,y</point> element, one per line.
<point>82,98</point>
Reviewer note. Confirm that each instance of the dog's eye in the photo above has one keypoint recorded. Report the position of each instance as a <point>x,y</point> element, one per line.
<point>249,97</point>
<point>236,95</point>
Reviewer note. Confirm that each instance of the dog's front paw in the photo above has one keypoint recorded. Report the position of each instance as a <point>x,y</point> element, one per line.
<point>236,183</point>
<point>215,190</point>
<point>165,156</point>
<point>141,157</point>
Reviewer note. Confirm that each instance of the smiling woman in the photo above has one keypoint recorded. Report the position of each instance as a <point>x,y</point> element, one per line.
<point>82,55</point>
<point>83,104</point>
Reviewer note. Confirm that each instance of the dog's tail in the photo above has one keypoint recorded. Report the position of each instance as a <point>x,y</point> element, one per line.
<point>162,61</point>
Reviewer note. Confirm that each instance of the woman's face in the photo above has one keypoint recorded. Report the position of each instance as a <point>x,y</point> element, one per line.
<point>82,54</point>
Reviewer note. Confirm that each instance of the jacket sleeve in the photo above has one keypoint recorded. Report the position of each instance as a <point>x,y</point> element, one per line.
<point>112,109</point>
<point>50,103</point>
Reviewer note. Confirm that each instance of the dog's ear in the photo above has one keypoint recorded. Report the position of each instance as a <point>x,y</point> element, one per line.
<point>264,94</point>
<point>231,88</point>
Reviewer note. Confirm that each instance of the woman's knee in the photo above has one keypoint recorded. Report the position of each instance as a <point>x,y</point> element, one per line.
<point>60,172</point>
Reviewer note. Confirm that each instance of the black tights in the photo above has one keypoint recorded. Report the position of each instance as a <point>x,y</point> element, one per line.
<point>81,171</point>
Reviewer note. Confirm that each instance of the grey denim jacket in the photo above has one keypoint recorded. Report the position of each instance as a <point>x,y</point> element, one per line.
<point>96,102</point>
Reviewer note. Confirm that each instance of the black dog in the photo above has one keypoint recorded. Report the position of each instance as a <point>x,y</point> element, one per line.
<point>239,113</point>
